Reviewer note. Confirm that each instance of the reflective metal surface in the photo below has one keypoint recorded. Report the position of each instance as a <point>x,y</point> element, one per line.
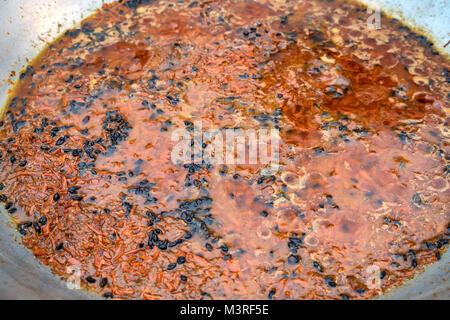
<point>26,26</point>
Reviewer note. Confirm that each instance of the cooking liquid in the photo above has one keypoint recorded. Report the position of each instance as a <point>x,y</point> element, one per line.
<point>359,204</point>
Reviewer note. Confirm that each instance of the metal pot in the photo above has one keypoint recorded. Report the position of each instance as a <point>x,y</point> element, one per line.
<point>26,27</point>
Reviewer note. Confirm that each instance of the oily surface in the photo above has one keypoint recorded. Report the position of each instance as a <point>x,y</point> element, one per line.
<point>360,202</point>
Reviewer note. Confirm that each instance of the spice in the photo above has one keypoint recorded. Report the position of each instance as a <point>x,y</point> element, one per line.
<point>86,168</point>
